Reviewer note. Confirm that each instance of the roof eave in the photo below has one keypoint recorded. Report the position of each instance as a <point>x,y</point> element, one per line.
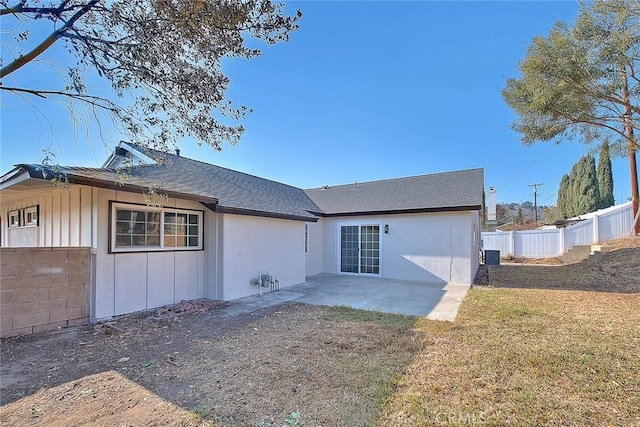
<point>14,176</point>
<point>251,212</point>
<point>404,211</point>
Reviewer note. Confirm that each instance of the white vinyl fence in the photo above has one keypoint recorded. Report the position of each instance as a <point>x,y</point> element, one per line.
<point>610,223</point>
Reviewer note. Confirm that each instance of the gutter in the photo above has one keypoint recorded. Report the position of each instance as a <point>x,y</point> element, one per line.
<point>401,211</point>
<point>250,212</point>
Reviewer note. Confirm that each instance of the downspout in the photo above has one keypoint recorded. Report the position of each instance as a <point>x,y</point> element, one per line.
<point>217,259</point>
<point>93,256</point>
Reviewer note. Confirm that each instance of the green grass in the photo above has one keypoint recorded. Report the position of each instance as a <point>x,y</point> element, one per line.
<point>351,314</point>
<point>377,375</point>
<point>526,357</point>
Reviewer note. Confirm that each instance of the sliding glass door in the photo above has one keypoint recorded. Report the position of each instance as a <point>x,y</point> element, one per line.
<point>360,249</point>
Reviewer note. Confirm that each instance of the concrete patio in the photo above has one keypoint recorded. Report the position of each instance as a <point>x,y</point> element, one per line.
<point>433,301</point>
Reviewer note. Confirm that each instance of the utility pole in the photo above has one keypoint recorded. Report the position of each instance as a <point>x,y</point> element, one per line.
<point>535,200</point>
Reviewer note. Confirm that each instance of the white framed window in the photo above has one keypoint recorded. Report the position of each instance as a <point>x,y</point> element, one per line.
<point>14,219</point>
<point>31,216</point>
<point>306,238</point>
<point>139,228</point>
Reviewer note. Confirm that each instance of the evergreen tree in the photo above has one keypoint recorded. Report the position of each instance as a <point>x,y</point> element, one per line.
<point>562,198</point>
<point>570,198</point>
<point>520,218</point>
<point>605,177</point>
<point>585,191</point>
<point>550,214</point>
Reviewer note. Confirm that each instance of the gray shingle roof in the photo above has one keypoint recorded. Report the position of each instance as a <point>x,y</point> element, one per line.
<point>239,192</point>
<point>438,191</point>
<point>234,190</point>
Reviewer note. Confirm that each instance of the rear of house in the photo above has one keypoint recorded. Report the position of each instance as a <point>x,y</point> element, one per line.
<point>423,228</point>
<point>203,231</point>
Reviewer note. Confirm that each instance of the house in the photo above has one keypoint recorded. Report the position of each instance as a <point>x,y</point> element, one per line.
<point>204,231</point>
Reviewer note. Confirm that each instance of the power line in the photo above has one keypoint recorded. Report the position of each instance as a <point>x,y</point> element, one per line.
<point>505,158</point>
<point>527,167</point>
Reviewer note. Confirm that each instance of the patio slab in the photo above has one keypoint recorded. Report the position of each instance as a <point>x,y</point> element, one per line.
<point>433,301</point>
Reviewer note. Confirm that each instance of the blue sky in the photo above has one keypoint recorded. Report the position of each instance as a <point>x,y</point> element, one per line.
<point>364,91</point>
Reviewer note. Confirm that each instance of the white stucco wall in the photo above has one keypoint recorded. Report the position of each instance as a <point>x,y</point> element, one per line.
<point>314,257</point>
<point>253,244</point>
<point>127,282</point>
<point>431,247</point>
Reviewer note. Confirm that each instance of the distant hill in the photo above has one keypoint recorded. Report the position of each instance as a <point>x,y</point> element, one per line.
<point>507,212</point>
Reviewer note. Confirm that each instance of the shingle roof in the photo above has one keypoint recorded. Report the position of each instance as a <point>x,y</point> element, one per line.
<point>440,191</point>
<point>139,178</point>
<point>176,176</point>
<point>233,191</point>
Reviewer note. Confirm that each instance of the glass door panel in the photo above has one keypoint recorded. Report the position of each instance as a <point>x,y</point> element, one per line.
<point>349,241</point>
<point>370,249</point>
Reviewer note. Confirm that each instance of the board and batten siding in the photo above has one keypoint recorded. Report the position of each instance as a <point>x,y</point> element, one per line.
<point>65,219</point>
<point>128,282</point>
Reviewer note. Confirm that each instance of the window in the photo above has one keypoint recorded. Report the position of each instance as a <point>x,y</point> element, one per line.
<point>306,238</point>
<point>14,219</point>
<point>143,228</point>
<point>31,216</point>
<point>181,229</point>
<point>26,217</point>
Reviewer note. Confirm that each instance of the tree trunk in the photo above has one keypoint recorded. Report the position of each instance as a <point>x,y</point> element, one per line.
<point>631,149</point>
<point>633,173</point>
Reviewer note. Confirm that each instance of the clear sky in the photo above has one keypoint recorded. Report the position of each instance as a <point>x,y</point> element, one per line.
<point>363,91</point>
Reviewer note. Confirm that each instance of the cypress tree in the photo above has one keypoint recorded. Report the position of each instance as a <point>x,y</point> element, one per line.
<point>562,197</point>
<point>605,177</point>
<point>586,192</point>
<point>570,197</point>
<point>520,218</point>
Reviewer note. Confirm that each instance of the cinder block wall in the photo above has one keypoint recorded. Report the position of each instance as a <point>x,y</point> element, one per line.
<point>43,289</point>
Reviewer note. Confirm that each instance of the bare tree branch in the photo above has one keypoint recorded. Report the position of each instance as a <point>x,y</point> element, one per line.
<point>46,43</point>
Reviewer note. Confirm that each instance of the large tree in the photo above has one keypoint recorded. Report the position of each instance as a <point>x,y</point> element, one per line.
<point>502,214</point>
<point>585,189</point>
<point>571,193</point>
<point>162,58</point>
<point>605,177</point>
<point>582,81</point>
<point>563,191</point>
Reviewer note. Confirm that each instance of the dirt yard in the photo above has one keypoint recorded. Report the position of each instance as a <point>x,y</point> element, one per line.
<point>292,364</point>
<point>326,366</point>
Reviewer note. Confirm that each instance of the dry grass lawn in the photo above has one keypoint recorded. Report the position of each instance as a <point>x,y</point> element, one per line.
<point>526,357</point>
<point>548,351</point>
<point>329,366</point>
